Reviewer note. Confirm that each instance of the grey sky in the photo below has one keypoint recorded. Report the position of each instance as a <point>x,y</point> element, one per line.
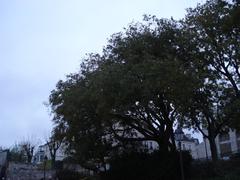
<point>43,40</point>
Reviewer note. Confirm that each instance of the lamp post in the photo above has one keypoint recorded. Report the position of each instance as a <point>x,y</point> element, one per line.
<point>44,167</point>
<point>179,137</point>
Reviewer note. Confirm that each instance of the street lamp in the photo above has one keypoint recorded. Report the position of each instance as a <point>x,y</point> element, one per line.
<point>44,167</point>
<point>179,134</point>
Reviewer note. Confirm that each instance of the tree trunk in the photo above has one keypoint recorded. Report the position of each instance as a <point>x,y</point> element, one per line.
<point>163,146</point>
<point>29,158</point>
<point>53,162</point>
<point>213,148</point>
<point>169,137</point>
<point>173,140</point>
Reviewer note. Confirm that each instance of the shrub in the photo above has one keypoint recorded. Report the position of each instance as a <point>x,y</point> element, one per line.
<point>220,170</point>
<point>68,175</point>
<point>144,166</point>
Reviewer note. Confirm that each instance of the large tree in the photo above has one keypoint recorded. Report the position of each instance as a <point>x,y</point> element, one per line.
<point>149,77</point>
<point>211,37</point>
<point>132,92</point>
<point>142,81</point>
<point>208,113</point>
<point>214,30</point>
<point>79,124</point>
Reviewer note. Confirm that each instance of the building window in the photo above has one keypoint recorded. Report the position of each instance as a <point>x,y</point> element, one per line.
<point>41,158</point>
<point>224,137</point>
<point>151,146</point>
<point>184,147</point>
<point>225,149</point>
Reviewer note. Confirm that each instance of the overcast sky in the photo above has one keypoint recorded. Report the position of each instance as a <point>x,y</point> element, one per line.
<point>41,41</point>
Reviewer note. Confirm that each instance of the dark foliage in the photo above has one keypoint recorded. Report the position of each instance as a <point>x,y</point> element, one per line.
<point>58,165</point>
<point>203,170</point>
<point>220,170</point>
<point>143,166</point>
<point>68,175</point>
<point>152,76</point>
<point>16,155</point>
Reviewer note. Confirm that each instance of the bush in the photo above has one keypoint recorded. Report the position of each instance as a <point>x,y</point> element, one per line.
<point>220,170</point>
<point>68,175</point>
<point>144,166</point>
<point>58,165</point>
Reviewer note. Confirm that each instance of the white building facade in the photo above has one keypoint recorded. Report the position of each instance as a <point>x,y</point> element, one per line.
<point>188,143</point>
<point>43,151</point>
<point>228,144</point>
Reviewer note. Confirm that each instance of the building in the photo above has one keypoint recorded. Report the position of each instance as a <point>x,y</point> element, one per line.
<point>43,151</point>
<point>3,157</point>
<point>3,163</point>
<point>188,143</point>
<point>228,143</point>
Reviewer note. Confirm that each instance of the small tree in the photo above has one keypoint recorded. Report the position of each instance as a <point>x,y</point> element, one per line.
<point>16,154</point>
<point>54,143</point>
<point>27,147</point>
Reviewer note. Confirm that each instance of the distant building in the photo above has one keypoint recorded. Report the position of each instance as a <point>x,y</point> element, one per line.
<point>3,163</point>
<point>227,143</point>
<point>43,151</point>
<point>150,146</point>
<point>188,143</point>
<point>3,157</point>
<point>40,154</point>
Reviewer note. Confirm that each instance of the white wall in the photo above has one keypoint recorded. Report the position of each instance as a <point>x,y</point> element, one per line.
<point>201,150</point>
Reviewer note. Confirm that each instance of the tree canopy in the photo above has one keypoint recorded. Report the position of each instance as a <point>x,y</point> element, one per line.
<point>154,75</point>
